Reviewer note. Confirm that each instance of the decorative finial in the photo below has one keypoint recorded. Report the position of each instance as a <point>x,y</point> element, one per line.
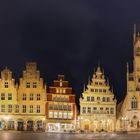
<point>89,80</point>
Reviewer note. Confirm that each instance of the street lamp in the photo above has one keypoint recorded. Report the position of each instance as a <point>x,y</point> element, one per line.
<point>124,119</point>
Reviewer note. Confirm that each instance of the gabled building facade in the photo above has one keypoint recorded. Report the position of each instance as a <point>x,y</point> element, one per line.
<point>8,100</point>
<point>97,105</point>
<point>128,118</point>
<point>31,100</point>
<point>60,107</point>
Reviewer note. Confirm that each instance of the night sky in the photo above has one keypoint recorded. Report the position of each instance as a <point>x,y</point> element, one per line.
<point>69,37</point>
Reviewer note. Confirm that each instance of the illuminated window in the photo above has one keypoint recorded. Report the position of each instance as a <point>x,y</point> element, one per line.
<point>38,97</point>
<point>31,96</point>
<point>60,84</point>
<point>55,114</point>
<point>34,85</point>
<point>69,115</point>
<point>60,115</point>
<point>50,114</point>
<point>24,108</point>
<point>9,96</point>
<point>24,96</point>
<point>84,110</point>
<point>6,84</point>
<point>9,108</point>
<point>17,108</point>
<point>65,115</point>
<point>27,84</point>
<point>2,96</point>
<point>57,90</point>
<point>64,91</point>
<point>38,109</point>
<point>31,108</point>
<point>60,90</point>
<point>2,108</point>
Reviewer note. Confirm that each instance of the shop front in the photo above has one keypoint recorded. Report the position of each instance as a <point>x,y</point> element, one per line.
<point>60,127</point>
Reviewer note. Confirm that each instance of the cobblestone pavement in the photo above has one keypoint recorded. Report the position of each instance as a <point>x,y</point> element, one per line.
<point>10,135</point>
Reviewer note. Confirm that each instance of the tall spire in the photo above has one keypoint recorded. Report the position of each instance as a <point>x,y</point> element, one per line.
<point>134,34</point>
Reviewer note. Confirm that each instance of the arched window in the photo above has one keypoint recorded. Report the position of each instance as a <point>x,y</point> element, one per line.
<point>134,103</point>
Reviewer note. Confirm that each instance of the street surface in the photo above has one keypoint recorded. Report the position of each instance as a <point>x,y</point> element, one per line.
<point>9,135</point>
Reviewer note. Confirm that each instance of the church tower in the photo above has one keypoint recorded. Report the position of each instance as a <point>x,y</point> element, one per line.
<point>136,62</point>
<point>128,118</point>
